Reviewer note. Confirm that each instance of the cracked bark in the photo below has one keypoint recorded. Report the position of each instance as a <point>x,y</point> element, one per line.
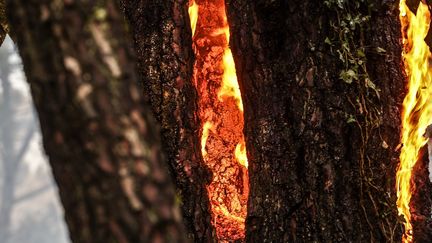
<point>100,136</point>
<point>162,38</point>
<point>314,177</point>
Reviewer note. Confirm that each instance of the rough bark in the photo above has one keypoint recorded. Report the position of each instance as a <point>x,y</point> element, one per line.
<point>322,152</point>
<point>163,43</point>
<point>421,201</point>
<point>100,136</point>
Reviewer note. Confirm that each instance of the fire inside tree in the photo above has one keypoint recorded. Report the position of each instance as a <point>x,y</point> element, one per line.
<point>221,113</point>
<point>314,176</point>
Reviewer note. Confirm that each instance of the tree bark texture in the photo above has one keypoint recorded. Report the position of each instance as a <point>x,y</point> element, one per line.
<point>100,136</point>
<point>322,151</point>
<point>163,43</point>
<point>421,201</point>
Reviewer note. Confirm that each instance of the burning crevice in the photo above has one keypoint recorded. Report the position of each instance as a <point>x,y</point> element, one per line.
<point>221,114</point>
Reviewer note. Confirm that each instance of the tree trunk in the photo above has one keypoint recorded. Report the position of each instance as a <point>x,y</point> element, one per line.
<point>163,44</point>
<point>322,86</point>
<point>100,137</point>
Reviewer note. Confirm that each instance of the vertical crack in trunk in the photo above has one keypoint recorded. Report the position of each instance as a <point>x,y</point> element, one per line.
<point>221,113</point>
<point>417,114</point>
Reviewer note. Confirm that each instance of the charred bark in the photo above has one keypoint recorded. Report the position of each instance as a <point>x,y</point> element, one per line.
<point>163,43</point>
<point>101,138</point>
<point>322,147</point>
<point>421,201</point>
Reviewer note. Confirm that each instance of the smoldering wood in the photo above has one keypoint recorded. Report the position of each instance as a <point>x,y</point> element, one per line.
<point>314,177</point>
<point>100,136</point>
<point>163,43</point>
<point>220,111</point>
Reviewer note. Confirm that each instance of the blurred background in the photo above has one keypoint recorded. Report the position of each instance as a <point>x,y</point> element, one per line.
<point>30,210</point>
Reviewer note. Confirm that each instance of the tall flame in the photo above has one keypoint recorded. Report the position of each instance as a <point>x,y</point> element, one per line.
<point>417,105</point>
<point>221,112</point>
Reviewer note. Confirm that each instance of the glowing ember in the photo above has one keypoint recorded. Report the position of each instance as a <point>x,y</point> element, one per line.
<point>221,113</point>
<point>417,113</point>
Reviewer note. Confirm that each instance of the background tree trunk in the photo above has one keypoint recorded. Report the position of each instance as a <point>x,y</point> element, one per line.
<point>163,43</point>
<point>322,86</point>
<point>100,137</point>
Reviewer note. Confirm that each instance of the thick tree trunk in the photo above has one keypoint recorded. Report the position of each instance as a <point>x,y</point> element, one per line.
<point>100,137</point>
<point>163,43</point>
<point>321,139</point>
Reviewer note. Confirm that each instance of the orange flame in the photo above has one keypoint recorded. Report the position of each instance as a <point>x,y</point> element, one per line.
<point>417,105</point>
<point>221,112</point>
<point>230,87</point>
